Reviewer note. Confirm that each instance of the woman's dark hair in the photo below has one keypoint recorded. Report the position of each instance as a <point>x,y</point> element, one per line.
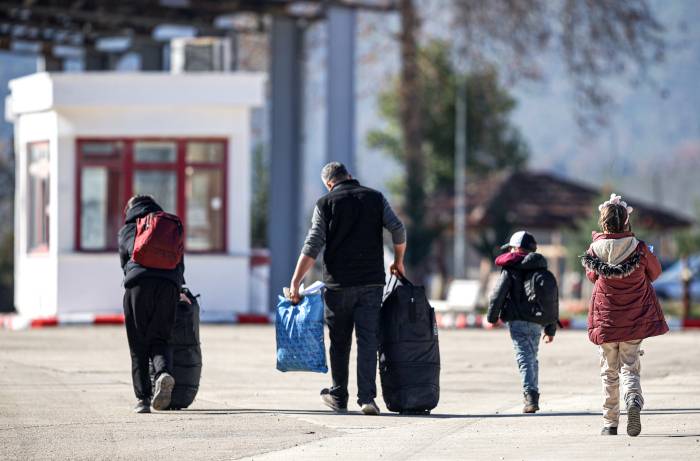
<point>135,199</point>
<point>614,219</point>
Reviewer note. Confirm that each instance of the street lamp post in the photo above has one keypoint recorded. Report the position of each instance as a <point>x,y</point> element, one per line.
<point>460,212</point>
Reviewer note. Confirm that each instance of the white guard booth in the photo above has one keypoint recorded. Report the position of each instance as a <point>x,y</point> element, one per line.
<point>87,142</point>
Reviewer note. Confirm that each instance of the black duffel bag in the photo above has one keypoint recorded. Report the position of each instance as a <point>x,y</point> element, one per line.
<point>186,353</point>
<point>409,352</point>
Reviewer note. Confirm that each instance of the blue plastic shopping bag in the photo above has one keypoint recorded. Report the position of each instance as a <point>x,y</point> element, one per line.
<point>300,345</point>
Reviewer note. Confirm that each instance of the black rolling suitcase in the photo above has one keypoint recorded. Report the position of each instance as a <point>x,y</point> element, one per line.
<point>409,352</point>
<point>186,353</point>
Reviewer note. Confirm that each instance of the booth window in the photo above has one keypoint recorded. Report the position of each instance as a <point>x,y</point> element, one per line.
<point>101,194</point>
<point>38,175</point>
<point>204,183</point>
<point>185,176</point>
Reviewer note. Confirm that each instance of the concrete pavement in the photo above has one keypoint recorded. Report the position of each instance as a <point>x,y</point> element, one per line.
<point>65,393</point>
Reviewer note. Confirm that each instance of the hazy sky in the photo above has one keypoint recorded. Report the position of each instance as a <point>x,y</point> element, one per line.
<point>651,126</point>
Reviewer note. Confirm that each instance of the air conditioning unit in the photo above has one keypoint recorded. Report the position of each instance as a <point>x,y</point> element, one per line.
<point>201,54</point>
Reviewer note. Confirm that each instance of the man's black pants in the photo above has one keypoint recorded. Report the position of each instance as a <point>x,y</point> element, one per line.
<point>149,316</point>
<point>346,308</point>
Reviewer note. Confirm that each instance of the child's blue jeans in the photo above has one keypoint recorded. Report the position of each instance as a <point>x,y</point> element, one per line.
<point>526,341</point>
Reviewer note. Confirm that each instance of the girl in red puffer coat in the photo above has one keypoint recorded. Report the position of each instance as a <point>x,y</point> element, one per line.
<point>624,309</point>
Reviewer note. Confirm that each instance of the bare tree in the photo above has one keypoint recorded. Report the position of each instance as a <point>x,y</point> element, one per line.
<point>412,137</point>
<point>594,38</point>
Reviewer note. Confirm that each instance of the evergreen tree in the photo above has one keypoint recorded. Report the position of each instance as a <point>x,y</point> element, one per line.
<point>493,144</point>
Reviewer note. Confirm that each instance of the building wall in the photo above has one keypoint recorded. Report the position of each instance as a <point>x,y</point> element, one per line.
<point>221,279</point>
<point>64,109</point>
<point>232,124</point>
<point>36,282</point>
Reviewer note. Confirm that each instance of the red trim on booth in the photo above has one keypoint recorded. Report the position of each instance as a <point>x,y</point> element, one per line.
<point>465,321</point>
<point>224,201</point>
<point>116,319</point>
<point>691,323</point>
<point>259,260</point>
<point>44,322</point>
<point>126,165</point>
<point>255,319</point>
<point>180,166</point>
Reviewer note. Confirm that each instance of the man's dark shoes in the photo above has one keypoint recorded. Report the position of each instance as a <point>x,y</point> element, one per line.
<point>532,402</point>
<point>609,431</point>
<point>634,421</point>
<point>143,406</point>
<point>164,391</point>
<point>331,402</point>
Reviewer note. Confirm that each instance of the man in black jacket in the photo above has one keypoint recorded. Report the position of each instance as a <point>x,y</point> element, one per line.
<point>150,300</point>
<point>508,302</point>
<point>349,221</point>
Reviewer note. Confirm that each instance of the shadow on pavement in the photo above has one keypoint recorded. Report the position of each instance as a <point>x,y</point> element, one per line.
<point>674,410</point>
<point>665,411</point>
<point>243,411</point>
<point>238,411</point>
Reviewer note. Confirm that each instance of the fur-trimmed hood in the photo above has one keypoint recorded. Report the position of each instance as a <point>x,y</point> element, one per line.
<point>612,255</point>
<point>603,269</point>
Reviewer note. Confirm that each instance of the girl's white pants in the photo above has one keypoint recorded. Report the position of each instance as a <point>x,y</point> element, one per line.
<point>620,359</point>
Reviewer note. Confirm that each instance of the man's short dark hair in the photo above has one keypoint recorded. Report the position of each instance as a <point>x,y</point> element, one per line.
<point>334,171</point>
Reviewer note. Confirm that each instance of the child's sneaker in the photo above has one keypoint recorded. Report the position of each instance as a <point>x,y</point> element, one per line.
<point>164,391</point>
<point>634,421</point>
<point>609,431</point>
<point>143,406</point>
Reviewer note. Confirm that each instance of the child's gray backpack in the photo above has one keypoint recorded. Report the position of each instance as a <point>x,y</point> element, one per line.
<point>542,295</point>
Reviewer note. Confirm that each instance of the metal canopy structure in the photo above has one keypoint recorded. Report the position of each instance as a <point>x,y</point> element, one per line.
<point>47,26</point>
<point>82,23</point>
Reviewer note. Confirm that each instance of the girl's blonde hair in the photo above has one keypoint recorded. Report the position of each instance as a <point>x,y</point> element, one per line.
<point>614,219</point>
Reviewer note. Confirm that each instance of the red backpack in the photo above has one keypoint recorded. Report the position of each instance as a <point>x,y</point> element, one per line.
<point>159,242</point>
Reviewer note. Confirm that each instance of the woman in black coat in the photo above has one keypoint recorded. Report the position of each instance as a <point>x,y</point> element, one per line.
<point>150,300</point>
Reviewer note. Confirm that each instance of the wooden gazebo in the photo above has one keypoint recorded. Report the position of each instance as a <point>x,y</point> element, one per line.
<point>547,205</point>
<point>542,200</point>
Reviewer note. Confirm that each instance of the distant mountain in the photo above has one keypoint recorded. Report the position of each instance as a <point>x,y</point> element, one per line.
<point>651,145</point>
